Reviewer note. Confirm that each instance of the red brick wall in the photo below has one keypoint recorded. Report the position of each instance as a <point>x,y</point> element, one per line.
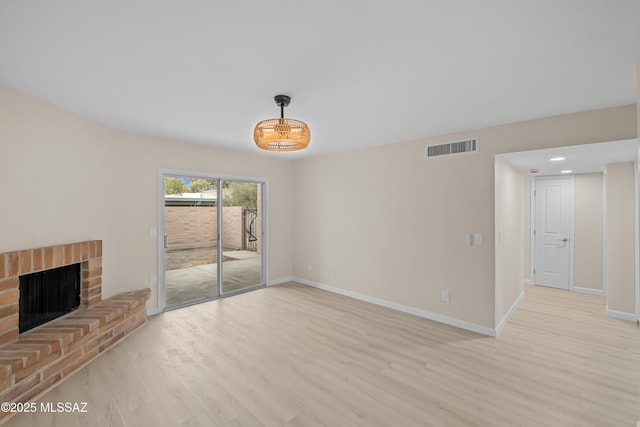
<point>17,263</point>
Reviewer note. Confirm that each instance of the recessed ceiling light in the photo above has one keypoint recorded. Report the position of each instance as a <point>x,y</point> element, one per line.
<point>556,159</point>
<point>566,171</point>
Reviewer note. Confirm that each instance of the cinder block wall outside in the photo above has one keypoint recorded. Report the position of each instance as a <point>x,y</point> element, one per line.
<point>192,227</point>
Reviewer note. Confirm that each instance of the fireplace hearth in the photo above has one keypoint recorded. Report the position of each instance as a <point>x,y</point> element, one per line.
<point>34,360</point>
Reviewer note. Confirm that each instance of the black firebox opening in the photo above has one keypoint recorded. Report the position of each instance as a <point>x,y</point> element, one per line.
<point>48,294</point>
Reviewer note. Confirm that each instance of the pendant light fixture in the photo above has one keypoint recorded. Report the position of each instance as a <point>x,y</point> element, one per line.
<point>282,134</point>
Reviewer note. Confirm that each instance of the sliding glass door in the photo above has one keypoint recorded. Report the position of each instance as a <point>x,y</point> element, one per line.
<point>212,237</point>
<point>241,236</point>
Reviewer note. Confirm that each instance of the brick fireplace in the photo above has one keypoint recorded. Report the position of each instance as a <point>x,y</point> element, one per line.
<point>18,263</point>
<point>33,361</point>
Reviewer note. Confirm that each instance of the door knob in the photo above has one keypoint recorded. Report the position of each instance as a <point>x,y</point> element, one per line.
<point>564,239</point>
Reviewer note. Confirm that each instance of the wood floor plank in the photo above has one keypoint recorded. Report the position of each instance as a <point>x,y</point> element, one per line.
<point>292,355</point>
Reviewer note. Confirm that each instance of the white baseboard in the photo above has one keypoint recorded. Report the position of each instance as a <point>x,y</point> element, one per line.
<point>406,309</point>
<point>588,291</point>
<point>621,315</point>
<point>152,311</point>
<point>279,281</point>
<point>510,312</point>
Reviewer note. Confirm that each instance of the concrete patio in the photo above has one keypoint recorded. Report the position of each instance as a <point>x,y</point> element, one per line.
<point>200,282</point>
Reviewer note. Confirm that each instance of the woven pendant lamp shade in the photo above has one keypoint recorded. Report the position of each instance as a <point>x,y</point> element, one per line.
<point>282,134</point>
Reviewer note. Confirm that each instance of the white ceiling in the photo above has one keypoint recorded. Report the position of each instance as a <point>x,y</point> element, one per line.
<point>585,158</point>
<point>359,73</point>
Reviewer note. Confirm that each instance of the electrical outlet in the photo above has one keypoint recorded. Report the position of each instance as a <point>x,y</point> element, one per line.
<point>153,232</point>
<point>153,279</point>
<point>445,296</point>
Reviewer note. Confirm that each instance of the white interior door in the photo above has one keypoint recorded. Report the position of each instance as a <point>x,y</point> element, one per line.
<point>553,225</point>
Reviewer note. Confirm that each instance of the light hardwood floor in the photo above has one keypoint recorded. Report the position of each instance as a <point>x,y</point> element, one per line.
<point>291,355</point>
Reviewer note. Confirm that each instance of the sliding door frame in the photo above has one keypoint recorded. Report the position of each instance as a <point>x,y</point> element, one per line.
<point>264,206</point>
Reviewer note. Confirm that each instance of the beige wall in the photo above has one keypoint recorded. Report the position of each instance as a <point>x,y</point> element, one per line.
<point>386,223</point>
<point>510,243</point>
<point>620,239</point>
<point>63,177</point>
<point>588,231</point>
<point>381,221</point>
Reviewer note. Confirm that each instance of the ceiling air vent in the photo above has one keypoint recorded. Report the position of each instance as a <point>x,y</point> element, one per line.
<point>456,147</point>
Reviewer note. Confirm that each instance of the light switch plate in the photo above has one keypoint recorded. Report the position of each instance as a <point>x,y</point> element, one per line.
<point>478,239</point>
